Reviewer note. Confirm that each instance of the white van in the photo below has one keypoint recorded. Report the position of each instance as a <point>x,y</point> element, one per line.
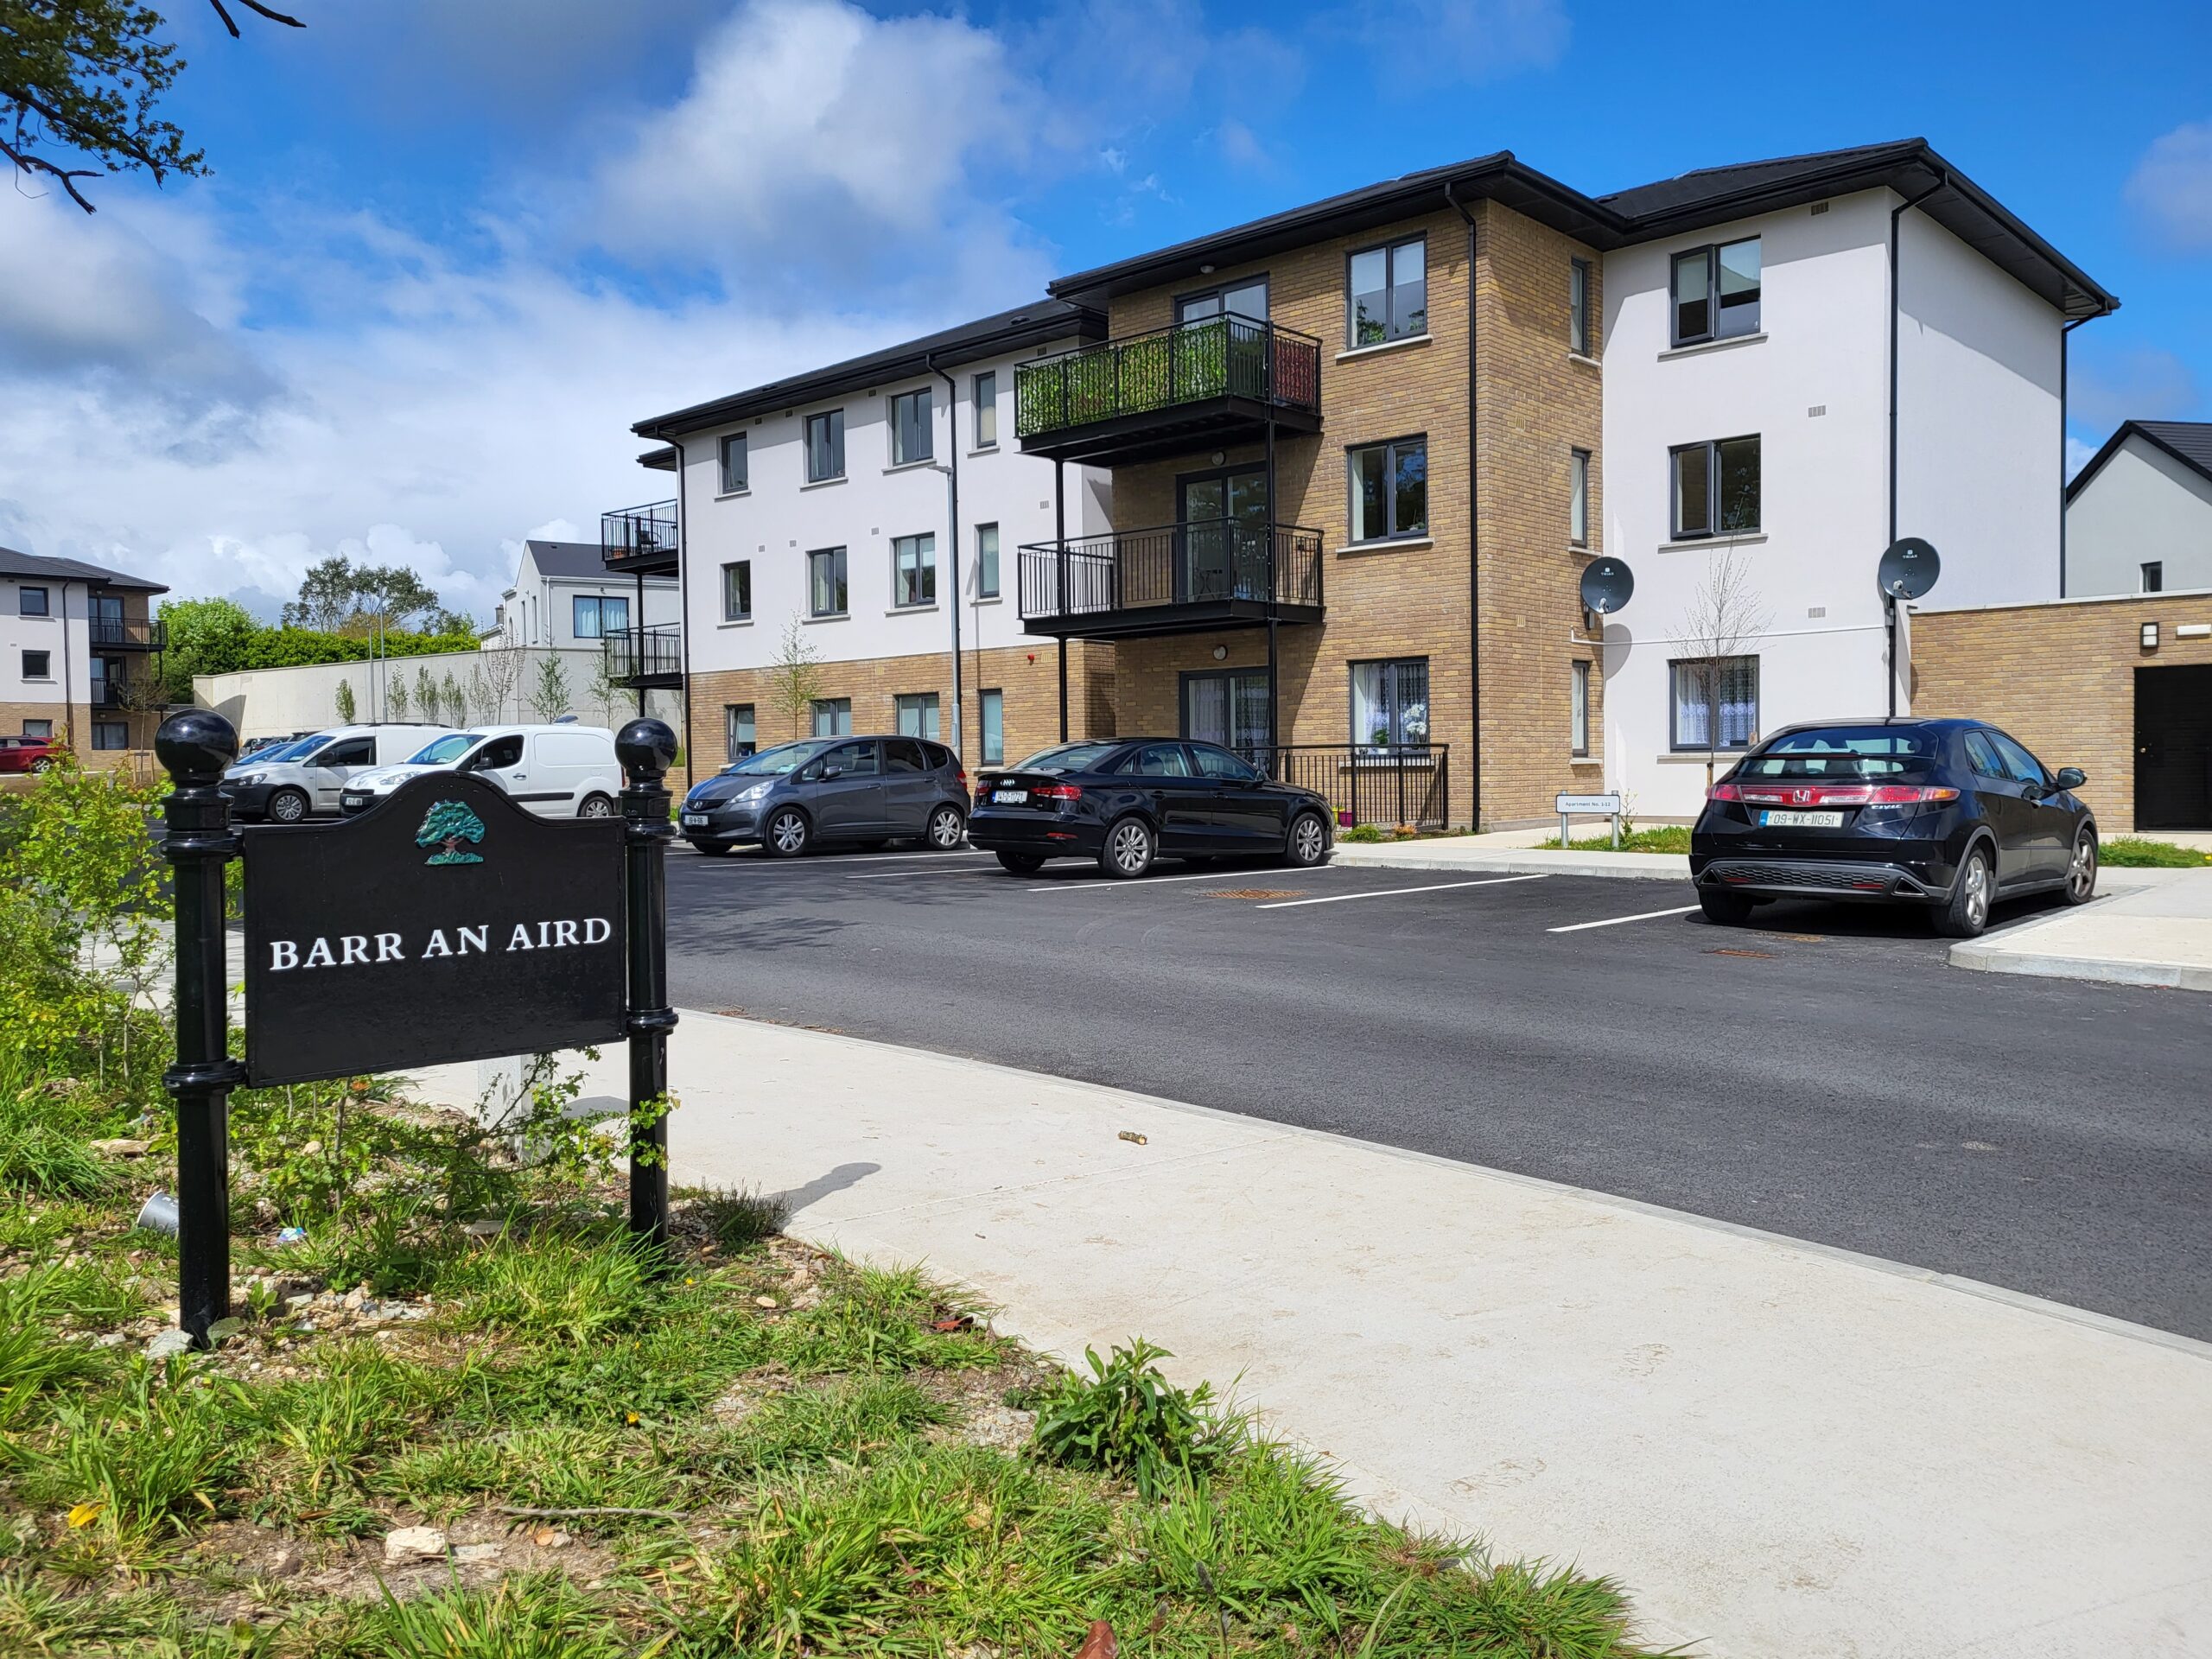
<point>296,779</point>
<point>561,771</point>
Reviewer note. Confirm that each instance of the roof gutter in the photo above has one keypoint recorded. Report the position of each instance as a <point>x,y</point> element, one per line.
<point>1474,543</point>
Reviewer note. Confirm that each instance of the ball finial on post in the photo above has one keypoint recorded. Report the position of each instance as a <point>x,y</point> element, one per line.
<point>646,749</point>
<point>196,746</point>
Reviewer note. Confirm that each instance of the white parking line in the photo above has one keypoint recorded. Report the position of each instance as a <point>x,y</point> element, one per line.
<point>1107,883</point>
<point>763,860</point>
<point>1614,921</point>
<point>1393,892</point>
<point>902,875</point>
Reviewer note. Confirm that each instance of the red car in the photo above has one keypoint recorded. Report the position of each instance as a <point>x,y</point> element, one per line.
<point>28,753</point>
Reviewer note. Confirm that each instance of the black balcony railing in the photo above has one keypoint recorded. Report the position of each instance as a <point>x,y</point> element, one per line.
<point>1186,363</point>
<point>1385,784</point>
<point>130,633</point>
<point>638,534</point>
<point>645,653</point>
<point>1207,563</point>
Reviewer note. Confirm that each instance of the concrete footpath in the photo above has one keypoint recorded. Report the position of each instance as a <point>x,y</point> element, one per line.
<point>2146,927</point>
<point>1779,1448</point>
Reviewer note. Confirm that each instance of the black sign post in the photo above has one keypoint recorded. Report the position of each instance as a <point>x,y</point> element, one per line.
<point>194,747</point>
<point>645,748</point>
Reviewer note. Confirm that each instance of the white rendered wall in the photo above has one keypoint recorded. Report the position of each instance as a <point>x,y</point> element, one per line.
<point>2142,504</point>
<point>264,702</point>
<point>64,635</point>
<point>779,517</point>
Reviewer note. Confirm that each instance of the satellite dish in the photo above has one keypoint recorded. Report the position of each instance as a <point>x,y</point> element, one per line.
<point>1909,570</point>
<point>1607,583</point>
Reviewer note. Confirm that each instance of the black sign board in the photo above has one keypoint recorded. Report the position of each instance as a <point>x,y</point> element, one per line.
<point>444,923</point>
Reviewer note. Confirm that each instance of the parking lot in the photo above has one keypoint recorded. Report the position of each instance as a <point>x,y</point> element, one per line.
<point>1824,1074</point>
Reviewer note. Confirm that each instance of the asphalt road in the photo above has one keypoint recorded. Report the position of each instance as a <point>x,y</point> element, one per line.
<point>1826,1075</point>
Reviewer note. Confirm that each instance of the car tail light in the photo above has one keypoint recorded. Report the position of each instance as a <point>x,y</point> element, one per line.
<point>1058,792</point>
<point>1832,794</point>
<point>1724,793</point>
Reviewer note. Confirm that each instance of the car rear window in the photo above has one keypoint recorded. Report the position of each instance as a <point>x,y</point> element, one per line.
<point>1843,752</point>
<point>1068,757</point>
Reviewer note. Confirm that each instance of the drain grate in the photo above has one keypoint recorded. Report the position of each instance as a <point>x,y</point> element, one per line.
<point>1256,892</point>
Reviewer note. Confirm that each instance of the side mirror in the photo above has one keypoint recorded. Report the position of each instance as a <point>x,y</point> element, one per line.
<point>827,773</point>
<point>2072,777</point>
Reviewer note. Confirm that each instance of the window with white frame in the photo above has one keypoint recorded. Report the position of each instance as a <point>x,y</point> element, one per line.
<point>917,713</point>
<point>991,705</point>
<point>1716,487</point>
<point>737,591</point>
<point>1390,703</point>
<point>1389,490</point>
<point>825,445</point>
<point>986,409</point>
<point>913,570</point>
<point>1715,704</point>
<point>909,427</point>
<point>986,561</point>
<point>825,581</point>
<point>1578,497</point>
<point>1581,287</point>
<point>1716,292</point>
<point>1577,718</point>
<point>833,716</point>
<point>1387,293</point>
<point>738,730</point>
<point>734,464</point>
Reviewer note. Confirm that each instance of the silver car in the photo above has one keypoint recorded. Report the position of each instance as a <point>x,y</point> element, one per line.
<point>868,790</point>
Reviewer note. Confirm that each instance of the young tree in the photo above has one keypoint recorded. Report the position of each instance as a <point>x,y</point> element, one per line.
<point>502,670</point>
<point>606,687</point>
<point>455,702</point>
<point>426,696</point>
<point>795,676</point>
<point>480,705</point>
<point>78,81</point>
<point>550,697</point>
<point>1724,615</point>
<point>345,701</point>
<point>395,699</point>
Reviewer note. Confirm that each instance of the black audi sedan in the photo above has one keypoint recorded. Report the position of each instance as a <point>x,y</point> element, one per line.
<point>1127,801</point>
<point>1952,815</point>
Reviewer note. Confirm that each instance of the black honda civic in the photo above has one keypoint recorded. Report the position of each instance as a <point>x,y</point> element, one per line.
<point>1948,814</point>
<point>1127,801</point>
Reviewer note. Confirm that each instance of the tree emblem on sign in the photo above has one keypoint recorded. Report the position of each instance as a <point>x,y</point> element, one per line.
<point>451,828</point>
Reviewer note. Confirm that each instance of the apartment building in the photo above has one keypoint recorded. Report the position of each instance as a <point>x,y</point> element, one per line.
<point>564,596</point>
<point>2139,514</point>
<point>843,531</point>
<point>77,652</point>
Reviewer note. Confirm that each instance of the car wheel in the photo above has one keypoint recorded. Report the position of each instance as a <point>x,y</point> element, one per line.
<point>1308,845</point>
<point>1968,912</point>
<point>1022,863</point>
<point>2081,874</point>
<point>1729,909</point>
<point>946,827</point>
<point>596,806</point>
<point>287,806</point>
<point>787,833</point>
<point>42,765</point>
<point>713,848</point>
<point>1128,850</point>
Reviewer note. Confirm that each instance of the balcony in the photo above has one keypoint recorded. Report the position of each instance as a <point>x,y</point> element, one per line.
<point>645,658</point>
<point>1201,578</point>
<point>639,541</point>
<point>128,633</point>
<point>1211,383</point>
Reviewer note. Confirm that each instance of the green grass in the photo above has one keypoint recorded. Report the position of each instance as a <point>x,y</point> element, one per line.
<point>2134,853</point>
<point>1659,838</point>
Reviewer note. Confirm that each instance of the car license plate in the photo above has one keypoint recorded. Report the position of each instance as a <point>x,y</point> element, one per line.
<point>1009,796</point>
<point>357,800</point>
<point>1802,819</point>
<point>695,820</point>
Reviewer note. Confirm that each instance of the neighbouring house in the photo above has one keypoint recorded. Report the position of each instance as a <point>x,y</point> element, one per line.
<point>564,597</point>
<point>78,654</point>
<point>2138,515</point>
<point>1324,485</point>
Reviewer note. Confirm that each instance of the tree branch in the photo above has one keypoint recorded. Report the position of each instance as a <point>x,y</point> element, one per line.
<point>29,163</point>
<point>259,10</point>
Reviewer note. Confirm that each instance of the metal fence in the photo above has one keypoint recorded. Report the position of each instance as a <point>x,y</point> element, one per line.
<point>1185,362</point>
<point>642,653</point>
<point>1171,564</point>
<point>130,633</point>
<point>638,532</point>
<point>1386,785</point>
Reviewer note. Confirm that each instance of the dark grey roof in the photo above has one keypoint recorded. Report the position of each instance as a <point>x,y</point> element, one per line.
<point>1709,196</point>
<point>1026,325</point>
<point>2188,441</point>
<point>13,564</point>
<point>586,559</point>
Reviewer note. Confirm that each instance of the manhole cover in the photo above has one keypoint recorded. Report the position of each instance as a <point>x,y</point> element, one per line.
<point>1256,892</point>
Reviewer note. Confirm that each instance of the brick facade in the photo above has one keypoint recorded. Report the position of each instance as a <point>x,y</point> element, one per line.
<point>2060,677</point>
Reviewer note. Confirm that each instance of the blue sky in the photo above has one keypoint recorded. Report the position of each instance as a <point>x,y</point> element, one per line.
<point>449,251</point>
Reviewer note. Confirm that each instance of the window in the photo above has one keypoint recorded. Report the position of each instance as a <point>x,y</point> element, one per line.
<point>852,759</point>
<point>913,570</point>
<point>986,409</point>
<point>833,716</point>
<point>738,730</point>
<point>992,706</point>
<point>1578,718</point>
<point>1981,755</point>
<point>32,601</point>
<point>909,427</point>
<point>825,445</point>
<point>733,479</point>
<point>38,665</point>
<point>596,617</point>
<point>2154,576</point>
<point>1390,703</point>
<point>38,728</point>
<point>1716,703</point>
<point>1716,487</point>
<point>111,734</point>
<point>1230,708</point>
<point>1578,497</point>
<point>903,754</point>
<point>1247,299</point>
<point>916,714</point>
<point>1219,763</point>
<point>1717,292</point>
<point>1389,490</point>
<point>737,591</point>
<point>825,581</point>
<point>986,561</point>
<point>1579,333</point>
<point>2024,767</point>
<point>1159,760</point>
<point>1388,294</point>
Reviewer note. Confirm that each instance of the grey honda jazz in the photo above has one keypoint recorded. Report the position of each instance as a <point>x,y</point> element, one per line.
<point>863,790</point>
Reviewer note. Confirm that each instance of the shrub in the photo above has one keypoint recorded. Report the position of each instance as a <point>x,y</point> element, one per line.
<point>1361,832</point>
<point>1127,1420</point>
<point>2135,853</point>
<point>739,1217</point>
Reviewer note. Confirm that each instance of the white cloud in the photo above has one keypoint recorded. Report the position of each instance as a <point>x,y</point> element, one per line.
<point>2172,187</point>
<point>2078,455</point>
